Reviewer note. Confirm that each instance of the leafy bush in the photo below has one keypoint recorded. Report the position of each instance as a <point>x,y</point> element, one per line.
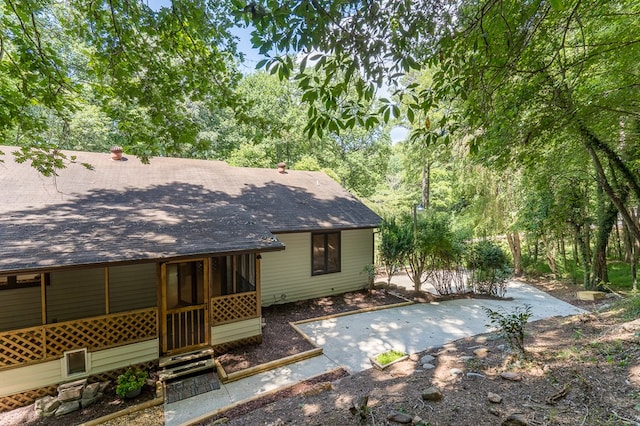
<point>131,380</point>
<point>489,268</point>
<point>394,243</point>
<point>511,325</point>
<point>444,256</point>
<point>370,271</point>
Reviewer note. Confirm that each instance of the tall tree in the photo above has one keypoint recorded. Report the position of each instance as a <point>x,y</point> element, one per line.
<point>142,66</point>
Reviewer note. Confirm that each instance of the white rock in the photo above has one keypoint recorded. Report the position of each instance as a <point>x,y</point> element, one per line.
<point>456,372</point>
<point>494,397</point>
<point>514,377</point>
<point>427,359</point>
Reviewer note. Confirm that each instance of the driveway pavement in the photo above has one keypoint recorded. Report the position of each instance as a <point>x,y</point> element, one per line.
<point>350,340</point>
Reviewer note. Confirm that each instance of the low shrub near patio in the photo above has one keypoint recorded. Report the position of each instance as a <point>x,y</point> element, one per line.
<point>489,269</point>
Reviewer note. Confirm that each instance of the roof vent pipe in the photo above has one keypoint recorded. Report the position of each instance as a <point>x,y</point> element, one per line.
<point>282,167</point>
<point>116,153</point>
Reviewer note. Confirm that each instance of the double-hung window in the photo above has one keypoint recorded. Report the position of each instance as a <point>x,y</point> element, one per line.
<point>325,253</point>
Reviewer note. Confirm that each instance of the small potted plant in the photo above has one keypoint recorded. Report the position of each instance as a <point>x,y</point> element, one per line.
<point>130,383</point>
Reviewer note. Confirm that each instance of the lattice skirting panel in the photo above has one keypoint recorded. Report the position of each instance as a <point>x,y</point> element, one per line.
<point>225,347</point>
<point>22,399</point>
<point>47,342</point>
<point>233,307</point>
<point>18,400</point>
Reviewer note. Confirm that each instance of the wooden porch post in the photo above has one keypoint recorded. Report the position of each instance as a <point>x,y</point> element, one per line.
<point>106,290</point>
<point>163,306</point>
<point>43,298</point>
<point>234,265</point>
<point>43,305</point>
<point>258,285</point>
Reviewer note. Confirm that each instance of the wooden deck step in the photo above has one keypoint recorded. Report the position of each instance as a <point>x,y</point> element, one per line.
<point>185,357</point>
<point>186,369</point>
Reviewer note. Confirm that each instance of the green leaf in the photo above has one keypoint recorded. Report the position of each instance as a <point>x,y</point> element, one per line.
<point>557,4</point>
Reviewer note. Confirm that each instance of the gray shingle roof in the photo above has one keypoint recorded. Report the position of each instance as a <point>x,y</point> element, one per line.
<point>129,211</point>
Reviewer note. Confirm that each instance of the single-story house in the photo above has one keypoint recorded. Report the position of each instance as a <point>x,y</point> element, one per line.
<point>127,262</point>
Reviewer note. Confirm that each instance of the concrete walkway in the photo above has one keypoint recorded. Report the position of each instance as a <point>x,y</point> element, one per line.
<point>190,409</point>
<point>348,341</point>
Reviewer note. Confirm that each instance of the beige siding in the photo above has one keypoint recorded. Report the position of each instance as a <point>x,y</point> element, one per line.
<point>286,275</point>
<point>35,376</point>
<point>132,287</point>
<point>20,308</point>
<point>236,331</point>
<point>75,294</point>
<point>21,379</point>
<point>124,356</point>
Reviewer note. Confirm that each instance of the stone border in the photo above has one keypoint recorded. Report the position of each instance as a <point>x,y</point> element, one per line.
<point>252,371</point>
<point>359,311</point>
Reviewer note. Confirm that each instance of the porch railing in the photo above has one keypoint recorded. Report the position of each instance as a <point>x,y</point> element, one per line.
<point>185,327</point>
<point>234,307</point>
<point>48,342</point>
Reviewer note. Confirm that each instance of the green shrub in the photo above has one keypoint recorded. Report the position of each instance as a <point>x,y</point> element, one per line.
<point>131,380</point>
<point>489,268</point>
<point>370,271</point>
<point>511,325</point>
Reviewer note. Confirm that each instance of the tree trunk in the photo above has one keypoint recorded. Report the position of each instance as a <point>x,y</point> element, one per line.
<point>589,140</point>
<point>426,185</point>
<point>618,241</point>
<point>583,251</point>
<point>565,262</point>
<point>634,262</point>
<point>516,252</point>
<point>607,215</point>
<point>628,244</point>
<point>550,255</point>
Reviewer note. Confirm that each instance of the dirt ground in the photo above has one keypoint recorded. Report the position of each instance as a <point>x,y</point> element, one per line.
<point>580,370</point>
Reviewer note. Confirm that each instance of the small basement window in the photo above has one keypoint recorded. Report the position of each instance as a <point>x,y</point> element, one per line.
<point>75,363</point>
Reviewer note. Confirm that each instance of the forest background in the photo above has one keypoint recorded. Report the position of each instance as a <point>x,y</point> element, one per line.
<point>523,117</point>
